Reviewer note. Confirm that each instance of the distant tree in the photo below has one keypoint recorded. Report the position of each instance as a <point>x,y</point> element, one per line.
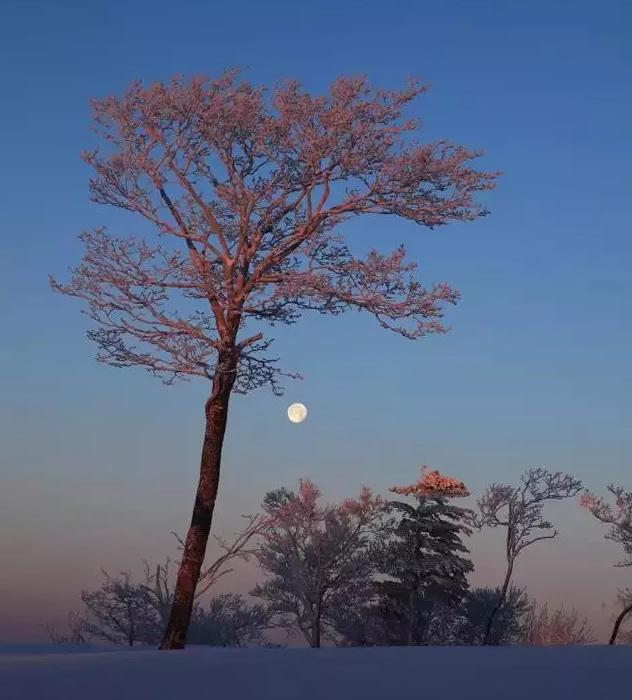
<point>125,612</point>
<point>157,582</point>
<point>361,623</point>
<point>619,517</point>
<point>74,633</point>
<point>421,571</point>
<point>230,621</point>
<point>318,558</point>
<point>245,194</point>
<point>519,510</point>
<point>120,612</point>
<point>559,628</point>
<point>425,564</point>
<point>509,623</point>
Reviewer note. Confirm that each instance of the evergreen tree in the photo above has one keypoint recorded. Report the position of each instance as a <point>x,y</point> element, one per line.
<point>422,570</point>
<point>427,566</point>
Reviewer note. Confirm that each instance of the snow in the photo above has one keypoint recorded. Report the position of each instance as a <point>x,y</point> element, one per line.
<point>441,673</point>
<point>43,648</point>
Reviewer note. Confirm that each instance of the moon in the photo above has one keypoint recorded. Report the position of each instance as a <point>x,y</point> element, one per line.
<point>297,413</point>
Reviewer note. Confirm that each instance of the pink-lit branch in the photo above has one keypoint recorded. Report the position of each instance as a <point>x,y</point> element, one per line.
<point>253,185</point>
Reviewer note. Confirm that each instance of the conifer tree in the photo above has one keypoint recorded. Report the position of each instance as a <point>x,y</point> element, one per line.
<point>423,569</point>
<point>428,567</point>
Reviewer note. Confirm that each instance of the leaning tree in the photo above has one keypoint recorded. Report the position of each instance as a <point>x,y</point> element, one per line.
<point>246,189</point>
<point>519,509</point>
<point>619,517</point>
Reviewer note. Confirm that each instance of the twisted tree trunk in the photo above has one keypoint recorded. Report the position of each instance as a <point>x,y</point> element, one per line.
<point>216,412</point>
<point>316,632</point>
<point>412,619</point>
<point>617,624</point>
<point>496,609</point>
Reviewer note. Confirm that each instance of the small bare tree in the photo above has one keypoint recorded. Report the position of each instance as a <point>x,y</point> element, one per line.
<point>560,628</point>
<point>74,634</point>
<point>125,612</point>
<point>619,517</point>
<point>519,510</point>
<point>242,546</point>
<point>245,189</point>
<point>509,624</point>
<point>120,611</point>
<point>230,621</point>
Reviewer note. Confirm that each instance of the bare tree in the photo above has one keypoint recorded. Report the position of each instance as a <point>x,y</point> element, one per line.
<point>74,634</point>
<point>120,611</point>
<point>317,558</point>
<point>242,546</point>
<point>245,189</point>
<point>559,628</point>
<point>157,585</point>
<point>126,612</point>
<point>158,579</point>
<point>519,510</point>
<point>619,517</point>
<point>509,623</point>
<point>230,621</point>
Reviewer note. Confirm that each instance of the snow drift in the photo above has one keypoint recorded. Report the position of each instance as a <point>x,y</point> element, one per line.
<point>448,673</point>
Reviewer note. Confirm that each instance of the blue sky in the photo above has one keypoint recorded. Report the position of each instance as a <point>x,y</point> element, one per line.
<point>98,465</point>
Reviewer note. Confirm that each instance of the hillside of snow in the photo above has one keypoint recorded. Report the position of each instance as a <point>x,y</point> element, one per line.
<point>440,673</point>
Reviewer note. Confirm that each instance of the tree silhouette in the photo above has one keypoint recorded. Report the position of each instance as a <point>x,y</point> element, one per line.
<point>419,573</point>
<point>509,624</point>
<point>246,189</point>
<point>127,612</point>
<point>519,510</point>
<point>619,517</point>
<point>425,568</point>
<point>425,564</point>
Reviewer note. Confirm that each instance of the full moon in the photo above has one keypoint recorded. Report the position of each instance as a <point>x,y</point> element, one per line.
<point>297,413</point>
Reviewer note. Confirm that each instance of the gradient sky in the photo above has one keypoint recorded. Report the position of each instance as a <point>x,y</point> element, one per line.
<point>98,465</point>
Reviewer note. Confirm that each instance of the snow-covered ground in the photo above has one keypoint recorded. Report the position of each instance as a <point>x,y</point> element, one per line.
<point>439,673</point>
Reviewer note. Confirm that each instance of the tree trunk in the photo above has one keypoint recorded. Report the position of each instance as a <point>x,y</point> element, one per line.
<point>316,635</point>
<point>216,411</point>
<point>498,606</point>
<point>316,626</point>
<point>412,617</point>
<point>617,624</point>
